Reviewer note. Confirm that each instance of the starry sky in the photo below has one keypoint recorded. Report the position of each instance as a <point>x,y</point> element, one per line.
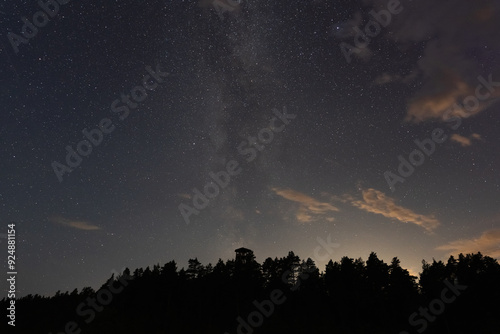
<point>309,106</point>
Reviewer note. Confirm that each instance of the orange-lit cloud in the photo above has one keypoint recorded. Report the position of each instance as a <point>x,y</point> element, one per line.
<point>377,202</point>
<point>476,136</point>
<point>447,74</point>
<point>464,141</point>
<point>309,207</point>
<point>488,244</point>
<point>446,90</point>
<point>79,225</point>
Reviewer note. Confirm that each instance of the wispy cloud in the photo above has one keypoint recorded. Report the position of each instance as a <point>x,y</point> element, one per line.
<point>464,141</point>
<point>476,136</point>
<point>488,244</point>
<point>79,225</point>
<point>309,208</point>
<point>446,72</point>
<point>377,202</point>
<point>434,103</point>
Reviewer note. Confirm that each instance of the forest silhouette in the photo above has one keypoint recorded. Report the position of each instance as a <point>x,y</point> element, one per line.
<point>281,295</point>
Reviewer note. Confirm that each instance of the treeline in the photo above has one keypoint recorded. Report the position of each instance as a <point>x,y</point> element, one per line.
<point>285,295</point>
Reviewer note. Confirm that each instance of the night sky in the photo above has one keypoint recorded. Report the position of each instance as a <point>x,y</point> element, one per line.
<point>311,125</point>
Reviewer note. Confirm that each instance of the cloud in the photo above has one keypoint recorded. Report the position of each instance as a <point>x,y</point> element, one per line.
<point>377,202</point>
<point>309,207</point>
<point>464,141</point>
<point>446,91</point>
<point>459,41</point>
<point>79,225</point>
<point>488,244</point>
<point>386,78</point>
<point>476,136</point>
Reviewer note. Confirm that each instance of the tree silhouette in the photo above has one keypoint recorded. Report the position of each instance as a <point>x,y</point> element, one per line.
<point>350,296</point>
